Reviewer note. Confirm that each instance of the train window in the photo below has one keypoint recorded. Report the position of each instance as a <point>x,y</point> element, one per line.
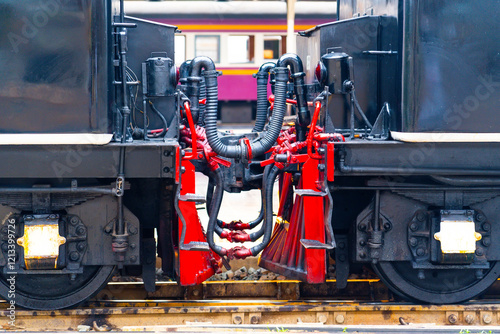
<point>207,46</point>
<point>241,49</point>
<point>274,46</point>
<point>180,49</point>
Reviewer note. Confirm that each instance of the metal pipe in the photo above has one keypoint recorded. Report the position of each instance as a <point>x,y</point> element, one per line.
<point>262,104</point>
<point>403,171</point>
<point>297,75</point>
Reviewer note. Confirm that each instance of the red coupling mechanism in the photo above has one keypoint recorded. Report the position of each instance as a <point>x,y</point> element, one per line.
<point>238,252</point>
<point>235,236</point>
<point>236,225</point>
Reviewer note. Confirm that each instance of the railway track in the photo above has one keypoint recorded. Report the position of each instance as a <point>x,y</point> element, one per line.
<point>262,305</point>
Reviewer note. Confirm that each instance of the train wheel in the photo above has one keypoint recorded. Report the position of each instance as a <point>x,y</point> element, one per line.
<point>51,291</point>
<point>436,286</point>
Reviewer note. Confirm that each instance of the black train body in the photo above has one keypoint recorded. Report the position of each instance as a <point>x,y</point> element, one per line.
<point>65,153</point>
<point>427,76</point>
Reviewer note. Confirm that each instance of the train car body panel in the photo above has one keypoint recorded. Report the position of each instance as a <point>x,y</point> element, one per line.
<point>55,62</point>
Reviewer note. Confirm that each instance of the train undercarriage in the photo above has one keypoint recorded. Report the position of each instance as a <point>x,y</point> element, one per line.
<point>370,169</point>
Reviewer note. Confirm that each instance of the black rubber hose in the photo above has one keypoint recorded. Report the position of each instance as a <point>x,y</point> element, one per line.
<point>184,70</point>
<point>297,75</point>
<point>268,211</point>
<point>194,82</point>
<point>262,145</point>
<point>203,95</point>
<point>256,235</point>
<point>262,103</point>
<point>162,118</point>
<point>214,212</point>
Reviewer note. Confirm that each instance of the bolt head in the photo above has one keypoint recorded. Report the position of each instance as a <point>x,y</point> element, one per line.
<point>362,227</point>
<point>74,256</point>
<point>413,226</point>
<point>413,242</point>
<point>452,318</point>
<point>74,220</point>
<point>420,252</point>
<point>80,230</point>
<point>486,241</point>
<point>339,319</point>
<point>486,226</point>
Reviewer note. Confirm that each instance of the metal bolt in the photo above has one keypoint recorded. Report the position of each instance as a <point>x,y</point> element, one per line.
<point>362,242</point>
<point>183,170</point>
<point>341,245</point>
<point>479,252</point>
<point>237,320</point>
<point>74,220</point>
<point>413,226</point>
<point>480,217</point>
<point>339,318</point>
<point>80,230</point>
<point>469,318</point>
<point>321,151</point>
<point>469,212</point>
<point>452,318</point>
<point>132,229</point>
<point>74,256</point>
<point>362,255</point>
<point>487,318</point>
<point>133,258</point>
<point>420,251</point>
<point>421,216</point>
<point>486,241</point>
<point>413,242</point>
<point>255,319</point>
<point>362,227</point>
<point>387,226</point>
<point>81,246</point>
<point>132,246</point>
<point>166,153</point>
<point>486,226</point>
<point>288,291</point>
<point>321,167</point>
<point>322,319</point>
<point>166,169</point>
<point>196,293</point>
<point>107,229</point>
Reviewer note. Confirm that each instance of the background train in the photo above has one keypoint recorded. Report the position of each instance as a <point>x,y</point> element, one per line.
<point>238,35</point>
<point>389,158</point>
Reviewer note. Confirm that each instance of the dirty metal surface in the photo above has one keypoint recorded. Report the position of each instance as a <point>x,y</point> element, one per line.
<point>146,315</point>
<point>263,306</point>
<point>360,289</point>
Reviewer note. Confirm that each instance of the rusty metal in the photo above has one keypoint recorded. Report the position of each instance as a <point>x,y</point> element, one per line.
<point>257,304</point>
<point>147,315</point>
